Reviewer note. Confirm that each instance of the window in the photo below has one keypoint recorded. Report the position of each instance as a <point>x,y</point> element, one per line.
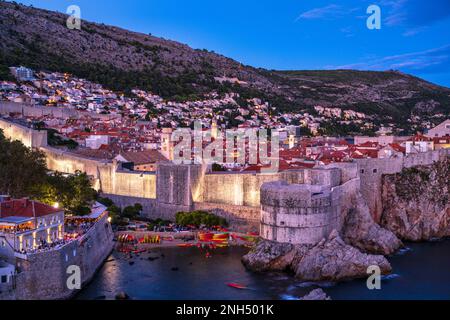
<point>362,171</point>
<point>4,279</point>
<point>375,170</point>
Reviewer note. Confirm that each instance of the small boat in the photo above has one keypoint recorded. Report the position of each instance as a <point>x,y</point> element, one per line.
<point>236,286</point>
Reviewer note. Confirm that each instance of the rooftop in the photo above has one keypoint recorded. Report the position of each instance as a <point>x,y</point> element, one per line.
<point>24,208</point>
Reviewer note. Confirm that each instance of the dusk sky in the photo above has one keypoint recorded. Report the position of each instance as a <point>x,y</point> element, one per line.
<point>292,34</point>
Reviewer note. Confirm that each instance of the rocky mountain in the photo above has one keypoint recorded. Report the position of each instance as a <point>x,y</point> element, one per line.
<point>122,59</point>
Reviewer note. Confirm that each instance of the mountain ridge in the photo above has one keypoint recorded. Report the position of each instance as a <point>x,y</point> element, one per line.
<point>122,59</point>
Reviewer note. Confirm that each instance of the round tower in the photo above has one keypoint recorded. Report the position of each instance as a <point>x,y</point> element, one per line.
<point>298,213</point>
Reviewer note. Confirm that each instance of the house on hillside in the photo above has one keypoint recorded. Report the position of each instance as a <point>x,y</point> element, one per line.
<point>442,130</point>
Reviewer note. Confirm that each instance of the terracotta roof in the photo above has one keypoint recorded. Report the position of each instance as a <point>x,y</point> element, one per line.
<point>25,208</point>
<point>368,144</point>
<point>442,140</point>
<point>397,147</point>
<point>144,157</point>
<point>420,137</point>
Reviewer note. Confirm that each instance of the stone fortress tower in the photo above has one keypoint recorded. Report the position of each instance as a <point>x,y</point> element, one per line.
<point>299,213</point>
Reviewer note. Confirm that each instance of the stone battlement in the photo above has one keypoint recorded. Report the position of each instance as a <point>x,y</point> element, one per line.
<point>188,187</point>
<point>299,214</point>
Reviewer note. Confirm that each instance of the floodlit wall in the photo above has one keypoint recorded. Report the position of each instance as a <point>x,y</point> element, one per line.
<point>7,108</point>
<point>180,188</point>
<point>30,138</point>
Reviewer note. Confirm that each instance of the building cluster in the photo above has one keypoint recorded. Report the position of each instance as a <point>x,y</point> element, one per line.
<point>137,129</point>
<point>62,90</point>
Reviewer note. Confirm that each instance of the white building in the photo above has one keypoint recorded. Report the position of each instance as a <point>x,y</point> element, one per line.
<point>419,144</point>
<point>22,73</point>
<point>96,141</point>
<point>441,130</point>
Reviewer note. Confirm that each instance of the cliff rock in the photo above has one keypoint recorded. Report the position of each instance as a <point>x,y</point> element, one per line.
<point>334,260</point>
<point>270,256</point>
<point>362,232</point>
<point>416,202</point>
<point>317,294</point>
<point>330,260</point>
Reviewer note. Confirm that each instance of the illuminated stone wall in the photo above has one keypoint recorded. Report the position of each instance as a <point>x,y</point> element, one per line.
<point>243,189</point>
<point>7,107</point>
<point>133,184</point>
<point>191,186</point>
<point>30,138</point>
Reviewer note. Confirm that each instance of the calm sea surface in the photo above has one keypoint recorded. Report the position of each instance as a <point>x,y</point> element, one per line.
<point>420,272</point>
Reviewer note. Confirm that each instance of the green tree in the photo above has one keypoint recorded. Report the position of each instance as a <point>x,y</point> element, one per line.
<point>198,218</point>
<point>21,168</point>
<point>132,212</point>
<point>73,192</point>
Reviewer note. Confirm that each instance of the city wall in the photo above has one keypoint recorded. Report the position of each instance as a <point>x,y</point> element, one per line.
<point>106,175</point>
<point>8,107</point>
<point>184,188</point>
<point>30,138</point>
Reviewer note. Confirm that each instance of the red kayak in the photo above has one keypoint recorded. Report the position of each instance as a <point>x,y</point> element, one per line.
<point>236,286</point>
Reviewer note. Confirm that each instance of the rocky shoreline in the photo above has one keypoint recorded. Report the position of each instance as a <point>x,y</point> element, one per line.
<point>421,213</point>
<point>330,260</point>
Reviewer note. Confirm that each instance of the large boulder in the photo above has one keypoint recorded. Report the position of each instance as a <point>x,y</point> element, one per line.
<point>269,256</point>
<point>329,260</point>
<point>334,260</point>
<point>362,232</point>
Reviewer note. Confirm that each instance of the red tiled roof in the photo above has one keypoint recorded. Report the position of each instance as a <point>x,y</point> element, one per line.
<point>25,208</point>
<point>368,144</point>
<point>144,157</point>
<point>420,137</point>
<point>397,147</point>
<point>442,140</point>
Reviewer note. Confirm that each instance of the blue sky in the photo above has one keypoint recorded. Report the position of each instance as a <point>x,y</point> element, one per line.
<point>292,34</point>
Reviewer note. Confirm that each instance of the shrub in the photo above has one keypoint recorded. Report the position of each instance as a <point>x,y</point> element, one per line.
<point>198,218</point>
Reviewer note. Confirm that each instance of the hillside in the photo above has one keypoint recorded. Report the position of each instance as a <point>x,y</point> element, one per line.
<point>122,60</point>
